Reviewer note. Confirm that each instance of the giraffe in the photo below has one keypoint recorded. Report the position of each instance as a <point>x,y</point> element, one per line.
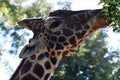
<point>54,38</point>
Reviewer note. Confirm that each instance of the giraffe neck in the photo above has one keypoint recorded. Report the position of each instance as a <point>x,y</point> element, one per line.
<point>37,67</point>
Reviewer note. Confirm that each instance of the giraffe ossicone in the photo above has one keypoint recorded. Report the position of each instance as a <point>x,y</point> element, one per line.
<point>55,37</point>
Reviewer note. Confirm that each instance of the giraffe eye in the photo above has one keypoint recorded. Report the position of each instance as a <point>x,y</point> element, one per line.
<point>55,24</point>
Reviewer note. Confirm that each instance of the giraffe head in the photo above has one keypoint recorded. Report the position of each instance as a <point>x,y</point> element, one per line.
<point>62,31</point>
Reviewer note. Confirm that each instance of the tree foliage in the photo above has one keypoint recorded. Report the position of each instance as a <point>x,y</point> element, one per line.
<point>9,12</point>
<point>112,10</point>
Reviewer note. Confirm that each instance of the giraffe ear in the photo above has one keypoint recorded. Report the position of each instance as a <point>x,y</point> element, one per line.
<point>27,51</point>
<point>33,47</point>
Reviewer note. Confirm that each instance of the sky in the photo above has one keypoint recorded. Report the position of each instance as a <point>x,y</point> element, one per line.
<point>13,60</point>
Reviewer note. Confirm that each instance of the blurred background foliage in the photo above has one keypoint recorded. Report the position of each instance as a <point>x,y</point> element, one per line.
<point>92,61</point>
